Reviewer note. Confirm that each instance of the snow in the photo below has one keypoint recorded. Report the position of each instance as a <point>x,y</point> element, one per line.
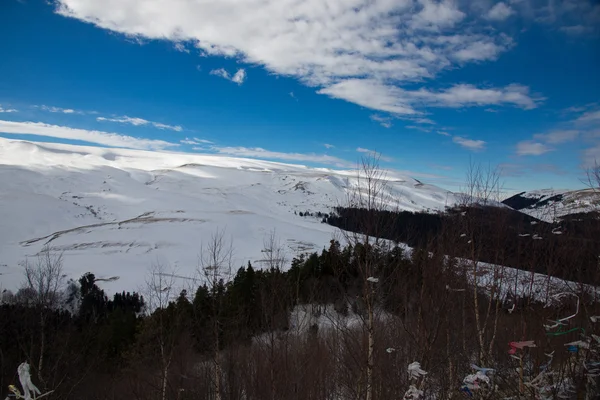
<point>553,204</point>
<point>115,212</point>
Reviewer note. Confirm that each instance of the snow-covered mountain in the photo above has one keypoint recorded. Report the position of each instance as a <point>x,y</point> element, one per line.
<point>114,212</point>
<point>551,204</point>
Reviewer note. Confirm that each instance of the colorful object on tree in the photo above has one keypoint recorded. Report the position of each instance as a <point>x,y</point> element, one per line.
<point>25,379</point>
<point>484,371</point>
<point>415,371</point>
<point>520,345</point>
<point>579,343</point>
<point>561,332</point>
<point>467,392</point>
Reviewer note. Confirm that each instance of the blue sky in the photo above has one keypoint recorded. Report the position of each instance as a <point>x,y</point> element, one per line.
<point>431,85</point>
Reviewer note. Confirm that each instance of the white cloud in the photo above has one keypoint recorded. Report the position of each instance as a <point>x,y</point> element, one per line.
<point>239,77</point>
<point>576,30</point>
<point>140,121</point>
<point>423,121</point>
<point>463,95</point>
<point>399,101</point>
<point>474,145</point>
<point>257,152</point>
<point>195,141</point>
<point>419,128</point>
<point>98,137</point>
<point>361,51</point>
<point>7,110</point>
<point>557,137</point>
<point>435,15</point>
<point>500,12</point>
<point>480,51</point>
<point>371,94</point>
<point>181,47</point>
<point>386,122</point>
<point>591,156</point>
<point>375,154</point>
<point>328,146</point>
<point>60,110</point>
<point>443,133</point>
<point>532,148</point>
<point>584,13</point>
<point>589,117</point>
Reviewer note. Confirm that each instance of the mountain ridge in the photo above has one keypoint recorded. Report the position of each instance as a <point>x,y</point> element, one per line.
<point>115,212</point>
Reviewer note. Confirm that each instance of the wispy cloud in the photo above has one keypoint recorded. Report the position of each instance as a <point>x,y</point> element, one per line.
<point>516,169</point>
<point>361,51</point>
<point>443,133</point>
<point>386,122</point>
<point>7,110</point>
<point>181,47</point>
<point>374,153</point>
<point>442,167</point>
<point>499,12</point>
<point>584,126</point>
<point>140,121</point>
<point>398,101</point>
<point>591,156</point>
<point>60,110</point>
<point>239,77</point>
<point>576,30</point>
<point>328,146</point>
<point>532,148</point>
<point>90,136</point>
<point>195,141</point>
<point>257,152</point>
<point>418,128</point>
<point>558,136</point>
<point>589,117</point>
<point>581,108</point>
<point>470,144</point>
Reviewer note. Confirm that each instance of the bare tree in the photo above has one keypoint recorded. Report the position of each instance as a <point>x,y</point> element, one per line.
<point>159,292</point>
<point>592,179</point>
<point>483,185</point>
<point>483,188</point>
<point>368,198</point>
<point>44,281</point>
<point>273,304</point>
<point>214,265</point>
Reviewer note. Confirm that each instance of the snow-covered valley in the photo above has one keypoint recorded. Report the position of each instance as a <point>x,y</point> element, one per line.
<point>115,212</point>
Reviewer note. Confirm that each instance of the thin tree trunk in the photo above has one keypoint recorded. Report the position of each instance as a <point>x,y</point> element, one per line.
<point>370,351</point>
<point>477,317</point>
<point>42,348</point>
<point>217,365</point>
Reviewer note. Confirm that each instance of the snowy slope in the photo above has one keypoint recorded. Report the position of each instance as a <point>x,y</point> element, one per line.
<point>114,212</point>
<point>551,204</point>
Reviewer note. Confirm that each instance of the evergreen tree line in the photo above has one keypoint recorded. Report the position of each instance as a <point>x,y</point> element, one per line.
<point>490,229</point>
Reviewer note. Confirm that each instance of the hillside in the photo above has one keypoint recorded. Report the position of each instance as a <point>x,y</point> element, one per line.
<point>114,212</point>
<point>550,204</point>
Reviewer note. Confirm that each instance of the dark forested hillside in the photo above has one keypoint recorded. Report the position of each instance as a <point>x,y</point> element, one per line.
<point>567,249</point>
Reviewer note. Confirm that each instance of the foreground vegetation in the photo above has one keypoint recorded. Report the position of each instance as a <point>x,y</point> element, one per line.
<point>369,319</point>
